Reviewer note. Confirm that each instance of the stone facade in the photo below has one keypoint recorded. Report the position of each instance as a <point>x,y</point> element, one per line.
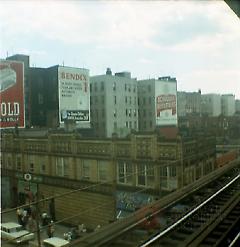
<point>63,162</point>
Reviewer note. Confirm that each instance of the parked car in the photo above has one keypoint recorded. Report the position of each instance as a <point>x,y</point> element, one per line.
<point>15,233</point>
<point>55,242</point>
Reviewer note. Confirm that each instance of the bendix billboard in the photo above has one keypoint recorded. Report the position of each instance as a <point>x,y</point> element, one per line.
<point>166,103</point>
<point>11,94</point>
<point>74,95</point>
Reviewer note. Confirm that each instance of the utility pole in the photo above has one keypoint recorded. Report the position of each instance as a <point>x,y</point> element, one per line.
<point>37,217</point>
<point>28,177</point>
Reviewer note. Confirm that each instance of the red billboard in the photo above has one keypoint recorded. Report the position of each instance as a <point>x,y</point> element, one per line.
<point>11,94</point>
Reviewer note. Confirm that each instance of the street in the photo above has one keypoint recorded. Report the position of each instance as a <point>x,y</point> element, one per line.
<point>12,217</point>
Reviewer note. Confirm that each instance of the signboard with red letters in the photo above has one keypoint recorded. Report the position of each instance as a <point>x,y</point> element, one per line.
<point>166,103</point>
<point>11,94</point>
<point>74,94</point>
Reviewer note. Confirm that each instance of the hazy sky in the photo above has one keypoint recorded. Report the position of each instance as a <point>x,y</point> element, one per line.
<point>198,42</point>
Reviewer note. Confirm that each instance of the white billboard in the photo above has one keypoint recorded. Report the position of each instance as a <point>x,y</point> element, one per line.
<point>166,102</point>
<point>74,94</point>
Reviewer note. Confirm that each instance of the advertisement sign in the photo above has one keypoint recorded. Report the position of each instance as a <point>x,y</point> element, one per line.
<point>11,94</point>
<point>166,103</point>
<point>74,94</point>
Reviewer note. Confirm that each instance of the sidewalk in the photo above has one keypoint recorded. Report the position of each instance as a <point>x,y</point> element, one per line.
<point>59,228</point>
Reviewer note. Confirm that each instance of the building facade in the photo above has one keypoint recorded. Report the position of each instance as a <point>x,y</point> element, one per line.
<point>157,101</point>
<point>228,104</point>
<point>237,106</point>
<point>189,103</point>
<point>211,104</point>
<point>25,60</point>
<point>224,128</point>
<point>61,163</point>
<point>114,107</point>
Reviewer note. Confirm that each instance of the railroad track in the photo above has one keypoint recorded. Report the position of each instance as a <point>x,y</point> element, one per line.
<point>184,227</point>
<point>141,231</point>
<point>207,224</point>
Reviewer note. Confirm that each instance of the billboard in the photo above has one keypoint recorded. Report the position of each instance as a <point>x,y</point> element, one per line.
<point>74,94</point>
<point>166,103</point>
<point>11,94</point>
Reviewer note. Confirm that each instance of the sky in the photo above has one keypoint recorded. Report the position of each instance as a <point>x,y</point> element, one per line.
<point>198,42</point>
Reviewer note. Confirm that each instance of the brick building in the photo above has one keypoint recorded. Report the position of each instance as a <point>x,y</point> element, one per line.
<point>63,162</point>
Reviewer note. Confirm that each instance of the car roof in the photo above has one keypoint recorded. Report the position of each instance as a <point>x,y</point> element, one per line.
<point>10,225</point>
<point>56,241</point>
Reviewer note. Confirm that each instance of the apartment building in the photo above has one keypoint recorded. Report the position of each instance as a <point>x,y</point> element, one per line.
<point>211,104</point>
<point>228,104</point>
<point>237,105</point>
<point>157,103</point>
<point>114,107</point>
<point>189,103</point>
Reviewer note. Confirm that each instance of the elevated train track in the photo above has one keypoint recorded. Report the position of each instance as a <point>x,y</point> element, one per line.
<point>220,210</point>
<point>196,224</point>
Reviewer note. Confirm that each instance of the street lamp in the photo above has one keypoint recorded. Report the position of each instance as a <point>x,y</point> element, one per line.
<point>28,177</point>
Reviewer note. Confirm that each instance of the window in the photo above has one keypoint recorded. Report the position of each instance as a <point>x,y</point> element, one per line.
<point>40,99</point>
<point>134,112</point>
<point>126,112</point>
<point>125,87</point>
<point>18,163</point>
<point>149,100</point>
<point>130,112</point>
<point>102,170</point>
<point>43,168</point>
<point>127,124</point>
<point>172,171</point>
<point>114,86</point>
<point>149,88</point>
<point>144,100</point>
<point>130,124</point>
<point>115,126</point>
<point>125,172</point>
<point>90,87</point>
<point>102,85</point>
<point>145,175</point>
<point>126,99</point>
<point>31,168</point>
<point>95,87</point>
<point>115,100</point>
<point>62,167</point>
<point>86,169</point>
<point>163,171</point>
<point>130,100</point>
<point>115,113</point>
<point>9,162</point>
<point>102,99</point>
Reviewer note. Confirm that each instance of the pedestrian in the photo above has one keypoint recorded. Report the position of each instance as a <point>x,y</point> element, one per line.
<point>44,219</point>
<point>50,230</point>
<point>19,216</point>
